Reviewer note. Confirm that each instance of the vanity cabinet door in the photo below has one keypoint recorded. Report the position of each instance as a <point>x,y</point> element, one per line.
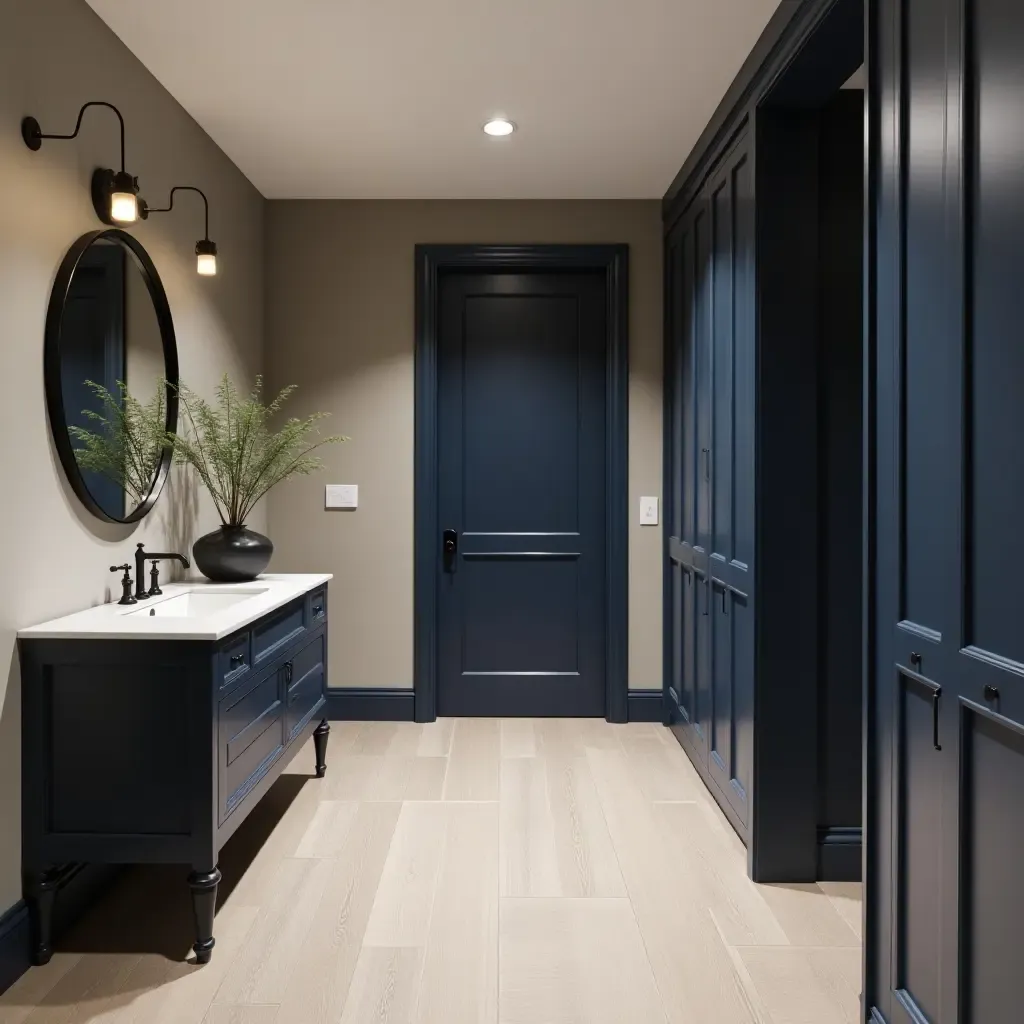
<point>250,731</point>
<point>305,678</point>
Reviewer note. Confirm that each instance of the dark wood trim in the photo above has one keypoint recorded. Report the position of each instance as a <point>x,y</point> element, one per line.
<point>52,369</point>
<point>839,854</point>
<point>785,34</point>
<point>431,262</point>
<point>646,705</point>
<point>367,704</point>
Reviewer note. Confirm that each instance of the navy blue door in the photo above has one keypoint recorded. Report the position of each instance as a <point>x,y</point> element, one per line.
<point>521,486</point>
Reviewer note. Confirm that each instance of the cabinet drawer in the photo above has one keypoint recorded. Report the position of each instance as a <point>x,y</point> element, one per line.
<point>306,685</point>
<point>233,661</point>
<point>250,730</point>
<point>276,631</point>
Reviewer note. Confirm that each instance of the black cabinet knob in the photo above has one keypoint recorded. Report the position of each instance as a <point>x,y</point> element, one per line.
<point>915,658</point>
<point>991,692</point>
<point>237,659</point>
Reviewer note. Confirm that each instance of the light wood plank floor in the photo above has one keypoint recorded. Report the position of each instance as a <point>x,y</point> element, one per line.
<point>469,872</point>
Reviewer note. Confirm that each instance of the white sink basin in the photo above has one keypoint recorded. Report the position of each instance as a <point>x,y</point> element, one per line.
<point>194,604</point>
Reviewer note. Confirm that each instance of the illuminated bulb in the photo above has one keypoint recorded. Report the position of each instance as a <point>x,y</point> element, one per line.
<point>206,257</point>
<point>499,126</point>
<point>124,207</point>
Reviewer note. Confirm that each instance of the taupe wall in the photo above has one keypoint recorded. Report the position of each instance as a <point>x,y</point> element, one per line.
<point>340,325</point>
<point>55,55</point>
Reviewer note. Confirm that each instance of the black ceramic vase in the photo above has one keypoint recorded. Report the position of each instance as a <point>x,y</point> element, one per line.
<point>232,554</point>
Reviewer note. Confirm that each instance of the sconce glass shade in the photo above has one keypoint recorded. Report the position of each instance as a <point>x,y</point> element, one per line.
<point>124,207</point>
<point>206,257</point>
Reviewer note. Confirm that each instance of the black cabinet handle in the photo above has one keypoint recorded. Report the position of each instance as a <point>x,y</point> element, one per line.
<point>237,659</point>
<point>936,696</point>
<point>991,693</point>
<point>707,462</point>
<point>318,610</point>
<point>288,670</point>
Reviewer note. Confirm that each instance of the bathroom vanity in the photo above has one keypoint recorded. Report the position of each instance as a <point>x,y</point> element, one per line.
<point>150,731</point>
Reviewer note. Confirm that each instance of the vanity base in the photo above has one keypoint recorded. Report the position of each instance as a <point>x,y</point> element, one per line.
<point>155,751</point>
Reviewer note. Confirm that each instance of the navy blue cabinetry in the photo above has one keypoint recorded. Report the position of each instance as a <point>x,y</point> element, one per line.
<point>156,750</point>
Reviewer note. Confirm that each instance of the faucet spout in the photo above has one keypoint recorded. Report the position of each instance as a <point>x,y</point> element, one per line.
<point>141,557</point>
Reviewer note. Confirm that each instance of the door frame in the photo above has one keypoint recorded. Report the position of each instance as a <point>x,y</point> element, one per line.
<point>431,262</point>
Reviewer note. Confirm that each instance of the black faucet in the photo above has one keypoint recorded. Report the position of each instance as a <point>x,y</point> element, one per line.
<point>141,556</point>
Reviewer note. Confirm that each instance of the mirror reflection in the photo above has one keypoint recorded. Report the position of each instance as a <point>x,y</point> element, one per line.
<point>112,369</point>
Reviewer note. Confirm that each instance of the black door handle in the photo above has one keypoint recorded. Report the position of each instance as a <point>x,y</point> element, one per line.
<point>450,547</point>
<point>936,697</point>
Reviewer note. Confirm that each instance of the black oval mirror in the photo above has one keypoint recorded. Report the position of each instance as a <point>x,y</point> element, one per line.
<point>109,346</point>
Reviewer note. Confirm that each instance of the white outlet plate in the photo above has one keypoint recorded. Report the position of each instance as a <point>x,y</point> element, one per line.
<point>648,511</point>
<point>342,496</point>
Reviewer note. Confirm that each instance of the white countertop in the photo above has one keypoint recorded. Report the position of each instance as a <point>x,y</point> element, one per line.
<point>133,622</point>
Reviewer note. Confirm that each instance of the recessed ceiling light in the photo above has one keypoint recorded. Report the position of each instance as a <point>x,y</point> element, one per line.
<point>499,126</point>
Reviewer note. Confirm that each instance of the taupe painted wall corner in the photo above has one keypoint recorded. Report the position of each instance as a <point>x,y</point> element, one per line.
<point>340,323</point>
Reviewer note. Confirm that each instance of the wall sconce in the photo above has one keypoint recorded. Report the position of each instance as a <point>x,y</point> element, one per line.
<point>206,251</point>
<point>115,194</point>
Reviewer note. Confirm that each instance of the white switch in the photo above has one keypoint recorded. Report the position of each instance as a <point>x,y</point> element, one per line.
<point>342,496</point>
<point>648,511</point>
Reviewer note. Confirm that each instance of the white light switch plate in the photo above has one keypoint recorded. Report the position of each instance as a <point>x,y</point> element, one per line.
<point>342,496</point>
<point>648,511</point>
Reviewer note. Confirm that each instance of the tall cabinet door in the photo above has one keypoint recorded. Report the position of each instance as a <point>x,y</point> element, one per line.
<point>710,483</point>
<point>946,922</point>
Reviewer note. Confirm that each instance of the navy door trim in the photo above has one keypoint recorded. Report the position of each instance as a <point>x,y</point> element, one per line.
<point>431,262</point>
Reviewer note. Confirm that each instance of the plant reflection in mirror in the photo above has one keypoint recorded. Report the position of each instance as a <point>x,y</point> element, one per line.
<point>127,441</point>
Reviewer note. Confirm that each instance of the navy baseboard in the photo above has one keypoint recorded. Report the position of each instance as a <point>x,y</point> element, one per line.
<point>839,854</point>
<point>74,898</point>
<point>646,706</point>
<point>370,705</point>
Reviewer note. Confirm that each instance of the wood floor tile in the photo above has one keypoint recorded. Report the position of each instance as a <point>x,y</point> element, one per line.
<point>325,834</point>
<point>405,894</point>
<point>517,738</point>
<point>473,871</point>
<point>806,918</point>
<point>320,982</point>
<point>256,1014</point>
<point>409,778</point>
<point>384,986</point>
<point>262,970</point>
<point>436,738</point>
<point>792,989</point>
<point>574,960</point>
<point>846,897</point>
<point>719,877</point>
<point>474,760</point>
<point>460,970</point>
<point>691,964</point>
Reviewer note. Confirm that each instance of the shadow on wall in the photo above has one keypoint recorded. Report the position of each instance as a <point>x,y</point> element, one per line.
<point>179,513</point>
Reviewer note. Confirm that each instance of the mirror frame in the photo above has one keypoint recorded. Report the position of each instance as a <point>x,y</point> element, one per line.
<point>52,369</point>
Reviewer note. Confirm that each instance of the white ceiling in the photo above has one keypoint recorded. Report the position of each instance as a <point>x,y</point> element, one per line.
<point>385,98</point>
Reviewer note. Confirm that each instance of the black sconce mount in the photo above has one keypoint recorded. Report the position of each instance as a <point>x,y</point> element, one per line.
<point>114,193</point>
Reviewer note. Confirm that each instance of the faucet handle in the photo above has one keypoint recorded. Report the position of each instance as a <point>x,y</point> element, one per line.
<point>126,584</point>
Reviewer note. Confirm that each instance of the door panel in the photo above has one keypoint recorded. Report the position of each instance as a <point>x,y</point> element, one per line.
<point>992,896</point>
<point>711,546</point>
<point>951,500</point>
<point>521,440</point>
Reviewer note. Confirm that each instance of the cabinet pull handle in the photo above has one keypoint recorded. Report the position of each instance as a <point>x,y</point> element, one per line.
<point>237,659</point>
<point>318,610</point>
<point>936,697</point>
<point>991,693</point>
<point>707,463</point>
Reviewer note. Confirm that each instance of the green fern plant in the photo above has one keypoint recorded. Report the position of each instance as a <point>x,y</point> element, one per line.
<point>234,450</point>
<point>128,439</point>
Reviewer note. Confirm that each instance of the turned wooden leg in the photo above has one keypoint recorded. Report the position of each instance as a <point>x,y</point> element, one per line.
<point>320,734</point>
<point>204,903</point>
<point>40,895</point>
